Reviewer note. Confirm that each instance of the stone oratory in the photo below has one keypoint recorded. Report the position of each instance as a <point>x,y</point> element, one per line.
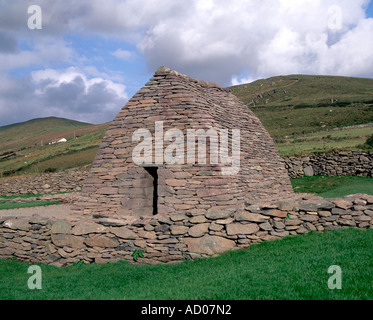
<point>195,180</point>
<point>185,171</point>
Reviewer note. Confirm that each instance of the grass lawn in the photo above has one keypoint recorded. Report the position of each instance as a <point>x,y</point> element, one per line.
<point>332,187</point>
<point>15,205</point>
<point>289,269</point>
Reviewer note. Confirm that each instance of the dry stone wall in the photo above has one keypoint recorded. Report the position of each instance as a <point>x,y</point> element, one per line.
<point>338,163</point>
<point>65,181</point>
<point>176,237</point>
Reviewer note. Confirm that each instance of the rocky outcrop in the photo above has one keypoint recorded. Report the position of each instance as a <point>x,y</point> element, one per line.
<point>176,237</point>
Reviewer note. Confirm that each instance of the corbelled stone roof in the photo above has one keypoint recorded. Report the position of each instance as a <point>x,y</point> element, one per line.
<point>117,186</point>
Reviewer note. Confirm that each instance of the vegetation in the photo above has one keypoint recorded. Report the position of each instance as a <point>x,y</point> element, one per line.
<point>4,205</point>
<point>35,155</point>
<point>333,187</point>
<point>297,109</point>
<point>259,272</point>
<point>301,91</point>
<point>369,141</point>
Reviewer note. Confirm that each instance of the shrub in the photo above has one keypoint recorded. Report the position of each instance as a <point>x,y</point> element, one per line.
<point>369,141</point>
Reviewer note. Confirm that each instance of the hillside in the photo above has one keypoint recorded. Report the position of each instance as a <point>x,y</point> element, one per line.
<point>302,114</point>
<point>306,91</point>
<point>36,131</point>
<point>312,113</point>
<point>24,147</point>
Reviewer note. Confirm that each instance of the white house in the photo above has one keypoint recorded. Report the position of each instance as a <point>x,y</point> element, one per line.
<point>58,141</point>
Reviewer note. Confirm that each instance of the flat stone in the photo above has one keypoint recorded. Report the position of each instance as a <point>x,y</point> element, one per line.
<point>336,211</point>
<point>60,226</point>
<point>163,228</point>
<point>341,203</point>
<point>178,217</point>
<point>275,213</point>
<point>238,228</point>
<point>308,206</point>
<point>199,230</point>
<point>86,227</point>
<point>308,171</point>
<point>68,240</point>
<point>123,232</point>
<point>107,191</point>
<point>286,205</point>
<point>17,224</point>
<point>198,219</point>
<point>308,217</point>
<point>248,216</point>
<point>216,213</point>
<point>362,218</point>
<point>178,230</point>
<point>265,226</point>
<point>293,222</point>
<point>209,245</point>
<point>102,242</point>
<point>279,225</point>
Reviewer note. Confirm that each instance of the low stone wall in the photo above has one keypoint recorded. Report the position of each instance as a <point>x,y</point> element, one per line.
<point>176,237</point>
<point>338,163</point>
<point>69,180</point>
<point>342,163</point>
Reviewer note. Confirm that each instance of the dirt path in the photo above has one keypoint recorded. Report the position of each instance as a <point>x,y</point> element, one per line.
<point>55,211</point>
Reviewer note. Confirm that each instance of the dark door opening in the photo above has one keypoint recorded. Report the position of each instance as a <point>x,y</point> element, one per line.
<point>153,171</point>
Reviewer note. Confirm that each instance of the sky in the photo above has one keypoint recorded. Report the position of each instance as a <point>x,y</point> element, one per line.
<point>84,59</point>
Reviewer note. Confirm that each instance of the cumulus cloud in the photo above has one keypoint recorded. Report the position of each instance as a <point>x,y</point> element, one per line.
<point>62,93</point>
<point>276,37</point>
<point>207,39</point>
<point>122,54</point>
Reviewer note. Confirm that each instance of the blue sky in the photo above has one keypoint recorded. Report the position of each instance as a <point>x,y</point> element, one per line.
<point>91,56</point>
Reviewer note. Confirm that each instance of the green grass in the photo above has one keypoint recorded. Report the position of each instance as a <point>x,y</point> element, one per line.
<point>282,122</point>
<point>31,152</point>
<point>294,268</point>
<point>324,141</point>
<point>332,187</point>
<point>306,90</point>
<point>295,108</point>
<point>29,204</point>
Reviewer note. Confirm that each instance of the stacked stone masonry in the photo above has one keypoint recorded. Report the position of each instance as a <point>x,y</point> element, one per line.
<point>337,163</point>
<point>117,187</point>
<point>176,237</point>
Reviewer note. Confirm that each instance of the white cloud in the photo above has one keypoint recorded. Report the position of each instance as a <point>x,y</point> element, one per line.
<point>122,54</point>
<point>62,93</point>
<point>270,38</point>
<point>207,39</point>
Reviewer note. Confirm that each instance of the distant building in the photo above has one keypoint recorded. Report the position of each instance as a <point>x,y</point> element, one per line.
<point>58,141</point>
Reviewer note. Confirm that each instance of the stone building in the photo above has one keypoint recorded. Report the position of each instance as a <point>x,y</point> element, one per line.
<point>173,148</point>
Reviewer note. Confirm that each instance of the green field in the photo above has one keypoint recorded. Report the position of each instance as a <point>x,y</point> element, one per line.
<point>306,91</point>
<point>301,111</point>
<point>333,187</point>
<point>37,156</point>
<point>295,268</point>
<point>324,141</point>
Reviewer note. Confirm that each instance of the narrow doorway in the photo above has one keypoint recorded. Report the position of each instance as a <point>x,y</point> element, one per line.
<point>153,171</point>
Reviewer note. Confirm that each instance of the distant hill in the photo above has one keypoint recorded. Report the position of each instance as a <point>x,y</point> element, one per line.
<point>24,147</point>
<point>302,112</point>
<point>305,91</point>
<point>36,131</point>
